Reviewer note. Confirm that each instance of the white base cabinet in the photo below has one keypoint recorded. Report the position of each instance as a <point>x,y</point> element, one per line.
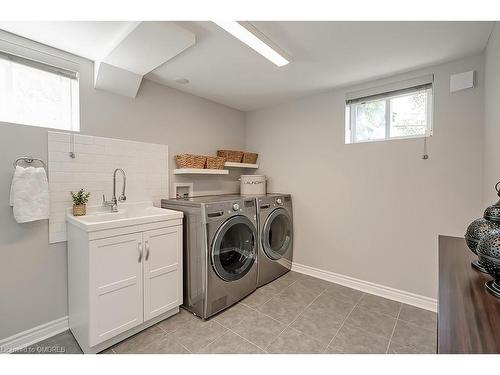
<point>121,281</point>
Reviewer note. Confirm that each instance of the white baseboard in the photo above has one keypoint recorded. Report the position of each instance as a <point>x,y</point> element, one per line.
<point>33,335</point>
<point>369,287</point>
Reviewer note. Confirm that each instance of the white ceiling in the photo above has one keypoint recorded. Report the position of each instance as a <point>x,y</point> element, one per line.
<point>91,39</point>
<point>323,54</point>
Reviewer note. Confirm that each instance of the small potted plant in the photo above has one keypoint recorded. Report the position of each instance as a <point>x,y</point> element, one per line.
<point>80,200</point>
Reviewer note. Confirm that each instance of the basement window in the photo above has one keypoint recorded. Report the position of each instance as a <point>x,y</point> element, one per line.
<point>401,112</point>
<point>37,94</point>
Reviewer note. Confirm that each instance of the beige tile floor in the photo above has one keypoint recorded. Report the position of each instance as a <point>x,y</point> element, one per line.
<point>293,314</point>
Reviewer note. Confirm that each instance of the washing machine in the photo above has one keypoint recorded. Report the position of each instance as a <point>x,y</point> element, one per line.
<point>220,251</point>
<point>275,222</point>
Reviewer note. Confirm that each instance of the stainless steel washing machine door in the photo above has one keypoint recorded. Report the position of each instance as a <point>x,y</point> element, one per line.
<point>277,234</point>
<point>233,251</point>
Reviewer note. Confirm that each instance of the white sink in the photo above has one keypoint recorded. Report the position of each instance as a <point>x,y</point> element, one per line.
<point>100,218</point>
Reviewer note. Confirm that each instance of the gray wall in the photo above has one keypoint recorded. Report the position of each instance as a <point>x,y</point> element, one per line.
<point>33,287</point>
<point>373,211</point>
<point>492,117</point>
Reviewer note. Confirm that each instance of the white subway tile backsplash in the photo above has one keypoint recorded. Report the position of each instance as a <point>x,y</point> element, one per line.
<point>59,146</point>
<point>59,156</point>
<point>64,166</point>
<point>88,148</point>
<point>55,176</point>
<point>58,137</point>
<point>145,164</point>
<point>84,139</point>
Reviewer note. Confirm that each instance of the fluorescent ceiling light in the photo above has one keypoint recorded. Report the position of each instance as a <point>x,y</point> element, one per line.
<point>251,40</point>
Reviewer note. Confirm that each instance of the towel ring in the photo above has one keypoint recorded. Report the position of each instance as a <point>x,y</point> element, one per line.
<point>29,160</point>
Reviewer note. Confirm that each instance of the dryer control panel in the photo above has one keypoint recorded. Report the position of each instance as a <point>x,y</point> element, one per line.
<point>271,202</point>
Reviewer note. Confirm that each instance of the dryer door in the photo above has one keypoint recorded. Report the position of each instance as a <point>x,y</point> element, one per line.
<point>233,250</point>
<point>277,234</point>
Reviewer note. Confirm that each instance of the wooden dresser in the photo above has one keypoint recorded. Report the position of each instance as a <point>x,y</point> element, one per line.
<point>469,317</point>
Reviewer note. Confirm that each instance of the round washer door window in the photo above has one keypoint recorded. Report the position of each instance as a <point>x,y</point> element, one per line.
<point>277,234</point>
<point>233,248</point>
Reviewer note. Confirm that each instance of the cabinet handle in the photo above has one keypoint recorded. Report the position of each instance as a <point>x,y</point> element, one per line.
<point>139,247</point>
<point>146,244</point>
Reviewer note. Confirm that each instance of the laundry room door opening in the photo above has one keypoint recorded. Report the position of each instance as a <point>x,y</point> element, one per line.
<point>277,234</point>
<point>234,248</point>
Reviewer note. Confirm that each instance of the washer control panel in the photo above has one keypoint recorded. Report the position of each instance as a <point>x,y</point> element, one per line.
<point>219,210</point>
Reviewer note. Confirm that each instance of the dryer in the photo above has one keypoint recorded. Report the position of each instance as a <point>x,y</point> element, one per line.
<point>220,251</point>
<point>275,221</point>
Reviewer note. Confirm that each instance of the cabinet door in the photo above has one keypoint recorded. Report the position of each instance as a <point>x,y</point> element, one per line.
<point>116,282</point>
<point>162,270</point>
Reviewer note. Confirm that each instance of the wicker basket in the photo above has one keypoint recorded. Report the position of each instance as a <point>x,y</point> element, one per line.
<point>250,157</point>
<point>215,162</point>
<point>231,155</point>
<point>190,161</point>
<point>79,210</point>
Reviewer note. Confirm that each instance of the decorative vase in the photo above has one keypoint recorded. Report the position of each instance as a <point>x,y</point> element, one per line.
<point>79,209</point>
<point>492,213</point>
<point>475,232</point>
<point>488,251</point>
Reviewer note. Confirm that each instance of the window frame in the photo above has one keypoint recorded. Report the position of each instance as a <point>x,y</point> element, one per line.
<point>48,64</point>
<point>350,105</point>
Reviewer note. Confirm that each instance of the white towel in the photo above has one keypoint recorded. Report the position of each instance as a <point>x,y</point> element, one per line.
<point>29,194</point>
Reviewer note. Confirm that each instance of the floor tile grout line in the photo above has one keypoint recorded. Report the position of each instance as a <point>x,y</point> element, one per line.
<point>184,346</point>
<point>175,329</point>
<point>371,333</point>
<point>267,300</point>
<point>343,322</point>
<point>274,295</point>
<point>214,340</point>
<point>305,308</point>
<point>268,316</point>
<point>416,325</point>
<point>398,319</point>
<point>204,346</point>
<point>293,321</point>
<point>175,338</point>
<point>310,336</point>
<point>277,321</point>
<point>377,311</point>
<point>394,329</point>
<point>247,340</point>
<point>325,290</point>
<point>236,333</point>
<point>260,312</point>
<point>277,336</point>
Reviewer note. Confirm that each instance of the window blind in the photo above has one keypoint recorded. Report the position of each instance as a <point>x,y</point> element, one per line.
<point>39,65</point>
<point>392,89</point>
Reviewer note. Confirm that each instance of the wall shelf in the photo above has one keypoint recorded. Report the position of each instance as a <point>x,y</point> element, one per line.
<point>241,165</point>
<point>200,171</point>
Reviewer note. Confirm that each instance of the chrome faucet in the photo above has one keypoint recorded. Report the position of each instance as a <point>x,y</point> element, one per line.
<point>113,203</point>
